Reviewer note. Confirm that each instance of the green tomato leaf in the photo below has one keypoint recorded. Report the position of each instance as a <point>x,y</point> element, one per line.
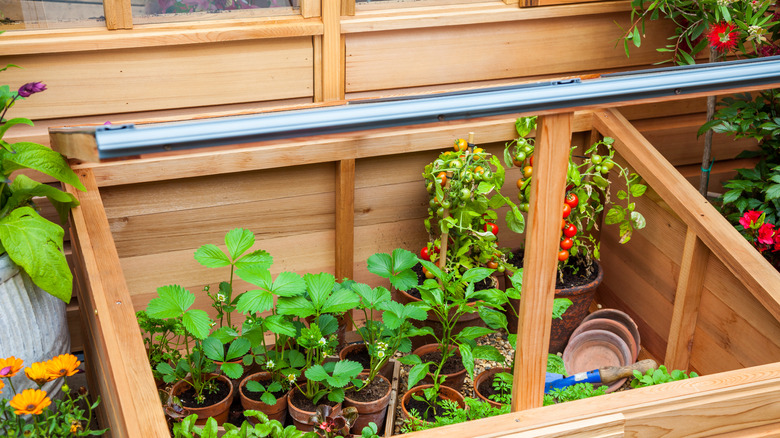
<point>638,190</point>
<point>515,219</point>
<point>417,373</point>
<point>488,352</point>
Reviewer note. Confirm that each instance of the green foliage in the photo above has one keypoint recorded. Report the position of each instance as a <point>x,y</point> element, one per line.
<point>163,338</point>
<point>555,364</point>
<point>659,376</point>
<point>453,414</point>
<point>33,243</point>
<point>464,190</point>
<point>263,428</point>
<point>586,178</point>
<point>577,391</point>
<point>502,384</point>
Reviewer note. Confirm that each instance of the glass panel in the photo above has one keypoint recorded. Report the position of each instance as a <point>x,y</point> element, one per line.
<point>51,14</point>
<point>162,11</point>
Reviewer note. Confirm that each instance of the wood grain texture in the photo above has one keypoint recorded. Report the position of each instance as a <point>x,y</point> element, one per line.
<point>551,158</point>
<point>396,59</point>
<point>345,218</point>
<point>191,76</point>
<point>332,52</point>
<point>156,35</point>
<point>118,14</point>
<point>127,387</point>
<point>721,237</point>
<point>686,302</point>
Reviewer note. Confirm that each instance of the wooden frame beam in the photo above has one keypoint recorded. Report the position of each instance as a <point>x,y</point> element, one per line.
<point>686,302</point>
<point>747,264</point>
<point>551,159</point>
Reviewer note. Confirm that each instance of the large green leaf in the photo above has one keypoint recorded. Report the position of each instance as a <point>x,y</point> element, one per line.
<point>341,301</point>
<point>320,287</point>
<point>297,306</point>
<point>256,275</point>
<point>35,156</point>
<point>467,358</point>
<point>197,322</point>
<point>259,258</point>
<point>24,188</point>
<point>288,284</point>
<point>213,349</point>
<point>238,241</point>
<point>171,302</point>
<point>344,372</point>
<point>396,268</point>
<point>255,301</point>
<point>35,244</point>
<point>238,348</point>
<point>317,373</point>
<point>280,325</point>
<point>211,257</point>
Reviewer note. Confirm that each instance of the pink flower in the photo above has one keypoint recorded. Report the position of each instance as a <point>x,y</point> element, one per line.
<point>723,36</point>
<point>766,234</point>
<point>750,218</point>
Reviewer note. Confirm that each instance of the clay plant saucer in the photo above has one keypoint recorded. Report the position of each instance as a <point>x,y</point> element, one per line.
<point>613,326</point>
<point>620,316</point>
<point>594,349</point>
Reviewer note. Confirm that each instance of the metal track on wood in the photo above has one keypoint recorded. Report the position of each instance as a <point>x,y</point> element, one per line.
<point>123,140</point>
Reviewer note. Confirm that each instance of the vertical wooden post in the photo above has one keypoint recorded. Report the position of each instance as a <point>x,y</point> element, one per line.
<point>686,302</point>
<point>551,158</point>
<point>345,221</point>
<point>118,14</point>
<point>332,52</point>
<point>311,8</point>
<point>348,7</point>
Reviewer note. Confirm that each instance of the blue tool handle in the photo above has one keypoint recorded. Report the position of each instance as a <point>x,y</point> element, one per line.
<point>589,377</point>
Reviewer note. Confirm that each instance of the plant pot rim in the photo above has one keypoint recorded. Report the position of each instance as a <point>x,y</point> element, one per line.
<point>436,346</point>
<point>453,395</point>
<point>222,377</point>
<point>484,375</point>
<point>385,397</point>
<point>253,376</point>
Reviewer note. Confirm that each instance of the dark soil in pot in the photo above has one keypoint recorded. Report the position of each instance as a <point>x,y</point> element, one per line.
<point>572,273</point>
<point>451,366</point>
<point>187,396</point>
<point>303,403</point>
<point>374,391</point>
<point>359,355</point>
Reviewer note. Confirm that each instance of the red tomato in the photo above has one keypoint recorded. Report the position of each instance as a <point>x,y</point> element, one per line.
<point>570,230</point>
<point>531,160</point>
<point>425,254</point>
<point>571,200</point>
<point>563,255</point>
<point>566,210</point>
<point>567,243</point>
<point>492,265</point>
<point>564,223</point>
<point>442,177</point>
<point>427,273</point>
<point>493,228</point>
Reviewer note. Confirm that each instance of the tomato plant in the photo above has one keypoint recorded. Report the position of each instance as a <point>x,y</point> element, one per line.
<point>493,228</point>
<point>461,145</point>
<point>587,197</point>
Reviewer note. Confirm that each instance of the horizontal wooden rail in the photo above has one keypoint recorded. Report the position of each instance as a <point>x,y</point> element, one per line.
<point>467,14</point>
<point>725,242</point>
<point>321,149</point>
<point>156,35</point>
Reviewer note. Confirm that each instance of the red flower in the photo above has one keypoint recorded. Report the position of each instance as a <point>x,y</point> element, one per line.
<point>766,234</point>
<point>723,36</point>
<point>750,218</point>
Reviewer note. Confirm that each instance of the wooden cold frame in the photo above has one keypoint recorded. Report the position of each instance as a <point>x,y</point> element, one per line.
<point>720,403</point>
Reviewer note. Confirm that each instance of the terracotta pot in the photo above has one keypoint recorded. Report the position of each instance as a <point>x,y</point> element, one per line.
<point>467,320</point>
<point>594,349</point>
<point>454,380</point>
<point>218,410</point>
<point>445,393</point>
<point>276,411</point>
<point>621,317</point>
<point>299,416</point>
<point>487,375</point>
<point>386,370</point>
<point>580,296</point>
<point>609,325</point>
<point>371,411</point>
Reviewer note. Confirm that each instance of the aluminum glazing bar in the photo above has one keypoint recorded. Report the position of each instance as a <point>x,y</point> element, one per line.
<point>123,140</point>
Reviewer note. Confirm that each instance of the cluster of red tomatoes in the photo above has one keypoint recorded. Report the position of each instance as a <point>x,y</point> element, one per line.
<point>568,229</point>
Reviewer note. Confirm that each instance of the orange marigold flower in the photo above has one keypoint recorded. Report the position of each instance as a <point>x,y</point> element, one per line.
<point>38,373</point>
<point>2,385</point>
<point>10,366</point>
<point>62,365</point>
<point>30,401</point>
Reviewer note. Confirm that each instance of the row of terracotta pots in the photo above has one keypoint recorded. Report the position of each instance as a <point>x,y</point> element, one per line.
<point>368,411</point>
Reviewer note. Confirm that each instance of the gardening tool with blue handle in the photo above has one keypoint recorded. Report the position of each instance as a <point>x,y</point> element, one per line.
<point>602,375</point>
